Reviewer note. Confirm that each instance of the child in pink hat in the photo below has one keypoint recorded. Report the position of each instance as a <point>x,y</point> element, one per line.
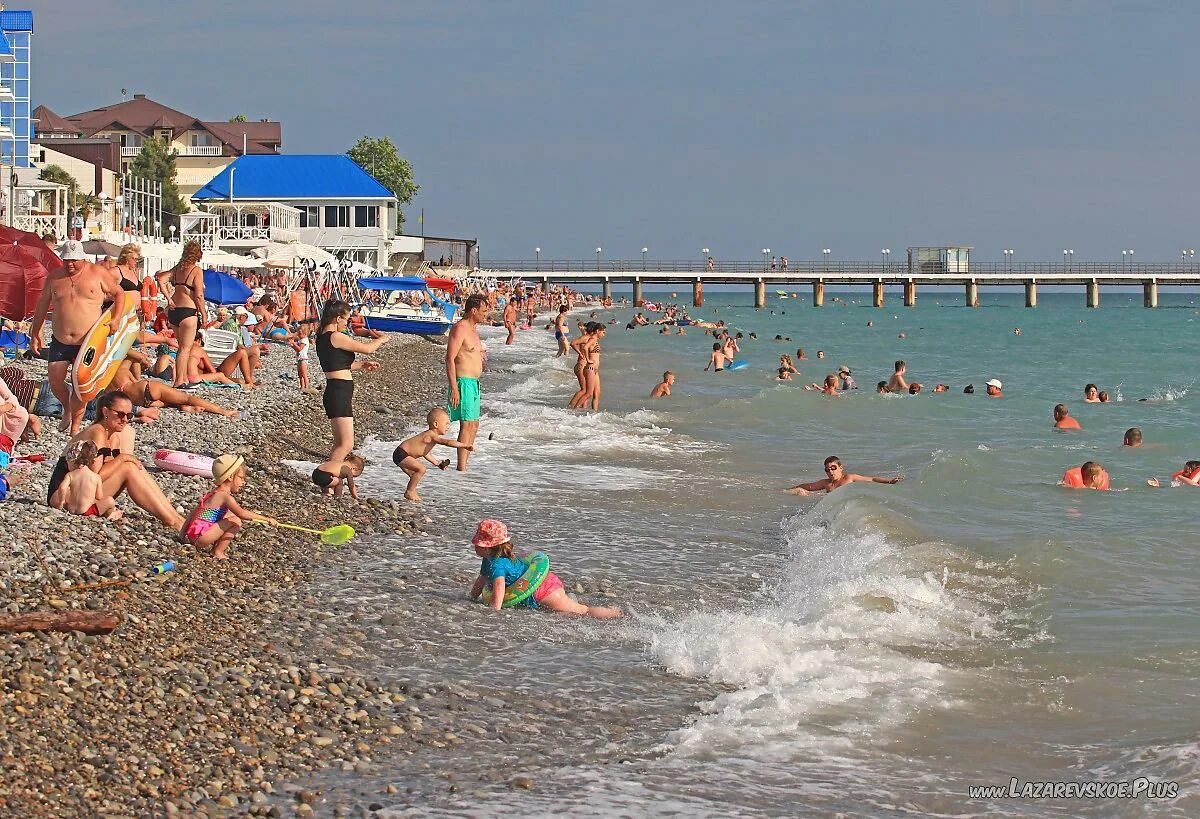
<point>502,568</point>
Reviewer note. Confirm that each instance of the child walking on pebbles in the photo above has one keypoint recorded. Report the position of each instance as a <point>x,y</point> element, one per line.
<point>217,518</point>
<point>501,569</point>
<point>82,491</point>
<point>410,453</point>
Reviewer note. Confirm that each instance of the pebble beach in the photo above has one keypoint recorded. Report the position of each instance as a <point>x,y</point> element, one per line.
<point>209,696</point>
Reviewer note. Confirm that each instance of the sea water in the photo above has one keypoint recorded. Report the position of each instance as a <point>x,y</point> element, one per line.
<point>878,650</point>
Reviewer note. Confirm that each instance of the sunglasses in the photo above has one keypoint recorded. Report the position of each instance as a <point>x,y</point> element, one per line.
<point>121,415</point>
<point>832,468</point>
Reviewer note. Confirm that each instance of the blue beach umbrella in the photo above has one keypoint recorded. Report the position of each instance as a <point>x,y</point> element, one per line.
<point>221,288</point>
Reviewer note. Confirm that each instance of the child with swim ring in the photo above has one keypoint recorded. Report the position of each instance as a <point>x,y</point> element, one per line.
<point>217,518</point>
<point>501,568</point>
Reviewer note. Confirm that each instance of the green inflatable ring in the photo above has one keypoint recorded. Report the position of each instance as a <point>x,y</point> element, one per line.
<point>537,567</point>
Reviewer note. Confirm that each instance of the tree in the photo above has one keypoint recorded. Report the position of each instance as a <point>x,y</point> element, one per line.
<point>61,176</point>
<point>156,162</point>
<point>238,118</point>
<point>378,156</point>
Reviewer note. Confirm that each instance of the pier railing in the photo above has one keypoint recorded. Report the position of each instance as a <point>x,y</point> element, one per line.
<point>839,268</point>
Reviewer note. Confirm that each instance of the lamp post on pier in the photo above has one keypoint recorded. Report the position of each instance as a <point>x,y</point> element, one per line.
<point>765,251</point>
<point>1130,259</point>
<point>537,253</point>
<point>1067,254</point>
<point>645,250</point>
<point>885,253</point>
<point>704,258</point>
<point>598,259</point>
<point>826,253</point>
<point>1008,254</point>
<point>1188,255</point>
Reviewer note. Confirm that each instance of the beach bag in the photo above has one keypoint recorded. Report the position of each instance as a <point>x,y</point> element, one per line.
<point>47,406</point>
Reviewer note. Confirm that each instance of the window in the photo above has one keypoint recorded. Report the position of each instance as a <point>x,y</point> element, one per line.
<point>337,216</point>
<point>366,216</point>
<point>204,139</point>
<point>131,140</point>
<point>310,216</point>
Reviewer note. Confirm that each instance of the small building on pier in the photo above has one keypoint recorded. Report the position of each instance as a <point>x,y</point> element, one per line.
<point>930,261</point>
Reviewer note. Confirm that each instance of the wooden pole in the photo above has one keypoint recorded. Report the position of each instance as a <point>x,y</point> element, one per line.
<point>88,622</point>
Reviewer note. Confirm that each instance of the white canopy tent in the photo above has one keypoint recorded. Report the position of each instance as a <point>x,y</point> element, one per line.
<point>293,254</point>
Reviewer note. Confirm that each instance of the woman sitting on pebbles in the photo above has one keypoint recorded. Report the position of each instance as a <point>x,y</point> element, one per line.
<point>118,469</point>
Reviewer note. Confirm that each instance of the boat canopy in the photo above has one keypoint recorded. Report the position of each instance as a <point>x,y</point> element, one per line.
<point>391,283</point>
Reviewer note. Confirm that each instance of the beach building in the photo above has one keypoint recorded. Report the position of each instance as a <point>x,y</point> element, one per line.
<point>324,200</point>
<point>203,148</point>
<point>16,33</point>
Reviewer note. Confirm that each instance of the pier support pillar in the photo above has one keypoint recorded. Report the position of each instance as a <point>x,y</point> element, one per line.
<point>818,294</point>
<point>638,301</point>
<point>910,293</point>
<point>972,294</point>
<point>760,293</point>
<point>1093,293</point>
<point>877,293</point>
<point>607,289</point>
<point>697,293</point>
<point>1150,293</point>
<point>1031,294</point>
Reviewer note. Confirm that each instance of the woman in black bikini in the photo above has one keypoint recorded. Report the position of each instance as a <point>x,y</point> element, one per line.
<point>335,352</point>
<point>186,311</point>
<point>118,469</point>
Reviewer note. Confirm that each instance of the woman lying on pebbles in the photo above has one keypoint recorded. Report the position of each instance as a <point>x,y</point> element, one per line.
<point>119,469</point>
<point>150,393</point>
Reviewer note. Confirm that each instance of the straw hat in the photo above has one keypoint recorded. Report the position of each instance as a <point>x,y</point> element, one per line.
<point>226,467</point>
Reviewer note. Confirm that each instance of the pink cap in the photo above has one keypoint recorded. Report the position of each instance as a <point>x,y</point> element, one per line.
<point>490,534</point>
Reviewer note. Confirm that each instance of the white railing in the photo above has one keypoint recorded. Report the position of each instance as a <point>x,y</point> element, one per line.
<point>6,93</point>
<point>39,224</point>
<point>256,233</point>
<point>200,150</point>
<point>131,150</point>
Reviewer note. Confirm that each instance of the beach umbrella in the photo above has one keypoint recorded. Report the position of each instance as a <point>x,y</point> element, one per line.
<point>221,288</point>
<point>33,243</point>
<point>22,278</point>
<point>99,247</point>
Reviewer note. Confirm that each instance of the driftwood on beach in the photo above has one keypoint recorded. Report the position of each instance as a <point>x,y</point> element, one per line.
<point>88,622</point>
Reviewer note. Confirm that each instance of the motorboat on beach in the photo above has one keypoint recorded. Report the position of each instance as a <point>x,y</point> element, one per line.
<point>431,317</point>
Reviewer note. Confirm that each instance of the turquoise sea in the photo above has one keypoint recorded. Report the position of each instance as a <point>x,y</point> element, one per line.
<point>879,650</point>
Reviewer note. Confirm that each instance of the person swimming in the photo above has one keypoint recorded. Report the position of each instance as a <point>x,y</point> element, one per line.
<point>1133,437</point>
<point>1063,419</point>
<point>836,477</point>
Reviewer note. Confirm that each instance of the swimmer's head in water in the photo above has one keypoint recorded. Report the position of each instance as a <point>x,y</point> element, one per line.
<point>914,388</point>
<point>1091,471</point>
<point>833,465</point>
<point>881,387</point>
<point>901,366</point>
<point>1060,412</point>
<point>1103,396</point>
<point>1133,437</point>
<point>1090,391</point>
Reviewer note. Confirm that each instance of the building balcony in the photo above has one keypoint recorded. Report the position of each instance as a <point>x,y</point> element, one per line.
<point>199,150</point>
<point>131,150</point>
<point>6,94</point>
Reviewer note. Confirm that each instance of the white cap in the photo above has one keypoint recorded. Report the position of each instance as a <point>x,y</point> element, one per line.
<point>73,251</point>
<point>995,382</point>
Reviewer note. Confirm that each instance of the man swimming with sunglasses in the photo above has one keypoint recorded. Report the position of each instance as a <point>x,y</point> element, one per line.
<point>836,476</point>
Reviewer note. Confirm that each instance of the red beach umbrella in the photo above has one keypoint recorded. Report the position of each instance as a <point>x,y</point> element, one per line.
<point>33,243</point>
<point>22,277</point>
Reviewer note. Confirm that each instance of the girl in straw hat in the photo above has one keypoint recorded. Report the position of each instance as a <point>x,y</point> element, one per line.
<point>217,518</point>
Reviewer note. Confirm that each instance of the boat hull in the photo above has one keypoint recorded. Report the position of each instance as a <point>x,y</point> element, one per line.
<point>397,324</point>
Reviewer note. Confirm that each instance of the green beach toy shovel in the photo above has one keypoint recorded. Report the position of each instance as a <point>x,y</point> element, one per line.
<point>333,536</point>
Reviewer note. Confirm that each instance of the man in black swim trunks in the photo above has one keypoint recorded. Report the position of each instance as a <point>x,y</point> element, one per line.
<point>76,292</point>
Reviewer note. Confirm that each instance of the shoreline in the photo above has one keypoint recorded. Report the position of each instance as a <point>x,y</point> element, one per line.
<point>198,700</point>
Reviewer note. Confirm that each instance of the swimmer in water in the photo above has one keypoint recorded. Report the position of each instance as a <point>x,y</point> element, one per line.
<point>897,383</point>
<point>1188,476</point>
<point>914,388</point>
<point>941,388</point>
<point>829,386</point>
<point>1103,396</point>
<point>1133,437</point>
<point>1089,476</point>
<point>717,360</point>
<point>1016,331</point>
<point>663,389</point>
<point>881,388</point>
<point>1063,419</point>
<point>993,388</point>
<point>836,476</point>
<point>784,374</point>
<point>800,356</point>
<point>820,353</point>
<point>1091,394</point>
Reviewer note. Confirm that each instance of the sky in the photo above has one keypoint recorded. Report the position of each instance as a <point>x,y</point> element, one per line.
<point>795,126</point>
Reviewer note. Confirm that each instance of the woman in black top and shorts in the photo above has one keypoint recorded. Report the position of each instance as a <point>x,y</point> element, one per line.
<point>335,352</point>
<point>186,311</point>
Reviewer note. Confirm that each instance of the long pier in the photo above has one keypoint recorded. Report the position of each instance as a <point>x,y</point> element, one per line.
<point>818,275</point>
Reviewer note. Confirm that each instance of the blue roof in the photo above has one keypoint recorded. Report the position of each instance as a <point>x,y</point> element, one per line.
<point>294,176</point>
<point>16,20</point>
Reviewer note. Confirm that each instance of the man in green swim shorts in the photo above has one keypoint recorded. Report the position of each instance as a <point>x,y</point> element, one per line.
<point>464,366</point>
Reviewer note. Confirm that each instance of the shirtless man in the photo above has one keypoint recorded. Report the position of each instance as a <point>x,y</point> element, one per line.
<point>663,389</point>
<point>837,477</point>
<point>464,366</point>
<point>731,347</point>
<point>510,319</point>
<point>897,383</point>
<point>1063,418</point>
<point>76,293</point>
<point>717,359</point>
<point>561,331</point>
